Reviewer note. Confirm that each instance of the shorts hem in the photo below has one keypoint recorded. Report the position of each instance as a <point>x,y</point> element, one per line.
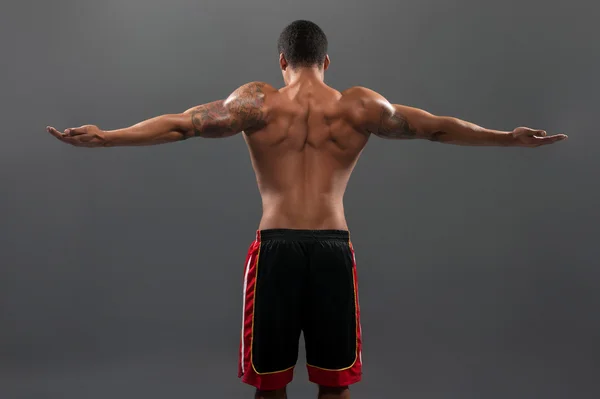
<point>335,379</point>
<point>269,382</point>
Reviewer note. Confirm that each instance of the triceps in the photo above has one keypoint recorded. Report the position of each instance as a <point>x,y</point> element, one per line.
<point>394,125</point>
<point>241,111</point>
<point>213,120</point>
<point>407,123</point>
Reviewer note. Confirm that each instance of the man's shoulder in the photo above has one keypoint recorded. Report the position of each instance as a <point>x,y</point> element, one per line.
<point>364,106</point>
<point>250,97</point>
<point>362,95</point>
<point>358,91</point>
<point>255,88</point>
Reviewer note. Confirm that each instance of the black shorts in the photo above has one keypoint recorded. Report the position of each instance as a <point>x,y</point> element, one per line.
<point>300,280</point>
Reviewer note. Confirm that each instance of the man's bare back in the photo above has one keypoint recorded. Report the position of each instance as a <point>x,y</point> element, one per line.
<point>304,156</point>
<point>304,141</point>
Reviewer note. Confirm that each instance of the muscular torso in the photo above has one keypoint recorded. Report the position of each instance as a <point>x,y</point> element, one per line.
<point>303,156</point>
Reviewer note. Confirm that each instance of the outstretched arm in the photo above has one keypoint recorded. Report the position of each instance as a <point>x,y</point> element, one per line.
<point>392,121</point>
<point>243,110</point>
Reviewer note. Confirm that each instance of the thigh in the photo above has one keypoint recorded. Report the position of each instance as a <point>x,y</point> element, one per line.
<point>332,319</point>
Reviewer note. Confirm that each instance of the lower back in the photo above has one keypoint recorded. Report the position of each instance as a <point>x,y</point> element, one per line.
<point>286,213</point>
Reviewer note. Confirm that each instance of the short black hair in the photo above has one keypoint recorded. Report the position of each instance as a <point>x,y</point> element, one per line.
<point>303,44</point>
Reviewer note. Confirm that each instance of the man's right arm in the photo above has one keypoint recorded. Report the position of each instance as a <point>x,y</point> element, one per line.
<point>394,121</point>
<point>243,110</point>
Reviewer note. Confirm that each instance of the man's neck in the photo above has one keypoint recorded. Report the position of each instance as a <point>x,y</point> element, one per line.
<point>306,74</point>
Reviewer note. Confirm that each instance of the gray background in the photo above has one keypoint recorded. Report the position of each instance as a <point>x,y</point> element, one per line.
<point>121,269</point>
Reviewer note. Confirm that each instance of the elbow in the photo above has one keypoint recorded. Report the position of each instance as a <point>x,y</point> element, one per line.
<point>182,126</point>
<point>435,128</point>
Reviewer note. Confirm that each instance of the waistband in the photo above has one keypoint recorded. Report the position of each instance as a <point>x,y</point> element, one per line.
<point>302,235</point>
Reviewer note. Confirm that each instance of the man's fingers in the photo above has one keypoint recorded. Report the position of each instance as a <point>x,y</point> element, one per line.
<point>61,136</point>
<point>551,139</point>
<point>55,132</point>
<point>75,131</point>
<point>539,133</point>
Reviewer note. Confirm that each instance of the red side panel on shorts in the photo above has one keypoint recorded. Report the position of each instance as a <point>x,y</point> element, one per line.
<point>248,308</point>
<point>352,374</point>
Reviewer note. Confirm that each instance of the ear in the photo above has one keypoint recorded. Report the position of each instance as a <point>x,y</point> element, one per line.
<point>327,62</point>
<point>282,62</point>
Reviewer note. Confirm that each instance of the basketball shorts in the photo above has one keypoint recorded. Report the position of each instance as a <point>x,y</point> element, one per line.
<point>300,281</point>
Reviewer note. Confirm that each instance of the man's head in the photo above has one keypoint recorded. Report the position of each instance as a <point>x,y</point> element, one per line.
<point>302,44</point>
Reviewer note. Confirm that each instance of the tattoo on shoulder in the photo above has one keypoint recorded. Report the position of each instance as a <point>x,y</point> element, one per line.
<point>394,125</point>
<point>242,111</point>
<point>247,103</point>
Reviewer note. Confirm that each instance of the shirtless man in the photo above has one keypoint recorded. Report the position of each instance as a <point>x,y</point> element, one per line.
<point>304,141</point>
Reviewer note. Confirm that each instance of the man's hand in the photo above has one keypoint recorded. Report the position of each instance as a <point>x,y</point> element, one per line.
<point>526,137</point>
<point>84,136</point>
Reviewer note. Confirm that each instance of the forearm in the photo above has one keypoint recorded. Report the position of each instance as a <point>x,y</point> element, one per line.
<point>158,130</point>
<point>456,131</point>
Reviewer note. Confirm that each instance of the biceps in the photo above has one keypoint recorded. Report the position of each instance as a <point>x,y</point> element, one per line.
<point>212,120</point>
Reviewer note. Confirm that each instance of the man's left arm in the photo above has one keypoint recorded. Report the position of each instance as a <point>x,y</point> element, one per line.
<point>402,122</point>
<point>243,110</point>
